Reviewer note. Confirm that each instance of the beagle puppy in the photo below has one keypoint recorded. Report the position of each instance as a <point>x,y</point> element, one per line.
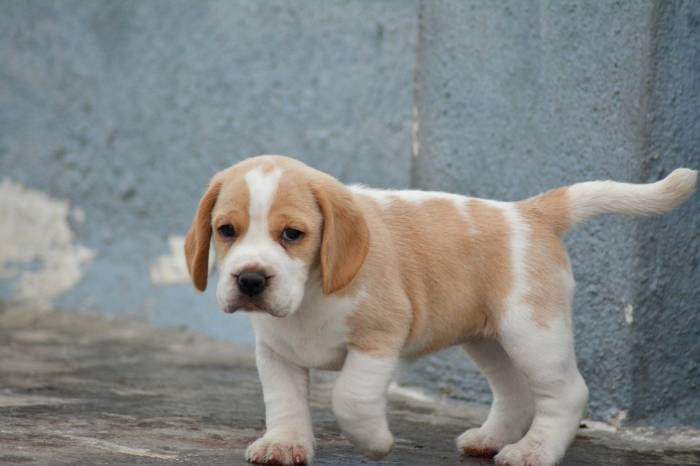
<point>355,279</point>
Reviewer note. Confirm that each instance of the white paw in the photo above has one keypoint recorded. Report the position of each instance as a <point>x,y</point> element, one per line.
<point>378,446</point>
<point>374,442</point>
<point>368,433</point>
<point>280,450</point>
<point>526,452</point>
<point>478,442</point>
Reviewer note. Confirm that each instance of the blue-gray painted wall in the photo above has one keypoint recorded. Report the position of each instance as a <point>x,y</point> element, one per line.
<point>125,109</point>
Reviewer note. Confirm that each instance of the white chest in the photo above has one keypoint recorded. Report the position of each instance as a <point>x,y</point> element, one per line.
<point>315,336</point>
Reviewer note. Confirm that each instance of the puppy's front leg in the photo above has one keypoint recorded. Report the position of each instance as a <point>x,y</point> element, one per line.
<point>289,437</point>
<point>359,401</point>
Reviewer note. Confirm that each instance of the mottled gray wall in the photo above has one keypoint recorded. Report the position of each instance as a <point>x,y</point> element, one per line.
<point>119,112</point>
<point>126,108</point>
<point>666,279</point>
<point>517,97</point>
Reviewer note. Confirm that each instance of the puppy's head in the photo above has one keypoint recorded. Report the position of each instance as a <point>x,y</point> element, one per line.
<point>273,221</point>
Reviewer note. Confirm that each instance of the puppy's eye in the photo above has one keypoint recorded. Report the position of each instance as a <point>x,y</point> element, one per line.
<point>227,231</point>
<point>291,234</point>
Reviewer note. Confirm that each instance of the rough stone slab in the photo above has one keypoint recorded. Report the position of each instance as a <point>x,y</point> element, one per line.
<point>81,390</point>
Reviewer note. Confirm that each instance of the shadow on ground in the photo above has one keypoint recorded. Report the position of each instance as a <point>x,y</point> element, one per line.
<point>83,390</point>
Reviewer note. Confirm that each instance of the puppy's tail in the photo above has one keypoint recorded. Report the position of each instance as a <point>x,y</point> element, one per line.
<point>565,207</point>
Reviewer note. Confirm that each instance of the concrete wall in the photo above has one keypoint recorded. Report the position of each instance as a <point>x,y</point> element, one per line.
<point>113,115</point>
<point>517,97</point>
<point>124,110</point>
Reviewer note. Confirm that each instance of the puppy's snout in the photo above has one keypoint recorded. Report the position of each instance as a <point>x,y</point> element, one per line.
<point>251,283</point>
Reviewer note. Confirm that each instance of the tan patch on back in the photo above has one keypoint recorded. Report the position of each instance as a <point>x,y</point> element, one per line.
<point>550,209</point>
<point>548,267</point>
<point>451,266</point>
<point>383,318</point>
<point>454,273</point>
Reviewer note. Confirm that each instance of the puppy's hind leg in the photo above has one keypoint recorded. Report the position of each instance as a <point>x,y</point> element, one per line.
<point>544,352</point>
<point>512,408</point>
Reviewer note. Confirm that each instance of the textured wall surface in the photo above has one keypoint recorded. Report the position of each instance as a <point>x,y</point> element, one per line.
<point>516,97</point>
<point>666,280</point>
<point>124,110</point>
<point>113,116</point>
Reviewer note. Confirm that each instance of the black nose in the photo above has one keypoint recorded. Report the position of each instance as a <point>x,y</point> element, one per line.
<point>251,283</point>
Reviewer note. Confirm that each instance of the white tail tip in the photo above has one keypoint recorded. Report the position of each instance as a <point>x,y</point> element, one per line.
<point>608,197</point>
<point>680,184</point>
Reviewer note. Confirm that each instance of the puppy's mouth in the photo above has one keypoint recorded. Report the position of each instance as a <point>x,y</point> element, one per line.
<point>254,304</point>
<point>247,305</point>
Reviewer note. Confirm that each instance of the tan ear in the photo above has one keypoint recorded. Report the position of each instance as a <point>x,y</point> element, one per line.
<point>199,237</point>
<point>345,240</point>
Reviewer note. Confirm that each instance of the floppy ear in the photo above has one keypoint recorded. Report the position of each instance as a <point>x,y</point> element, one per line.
<point>345,240</point>
<point>199,237</point>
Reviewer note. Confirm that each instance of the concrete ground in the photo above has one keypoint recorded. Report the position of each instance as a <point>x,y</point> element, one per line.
<point>77,389</point>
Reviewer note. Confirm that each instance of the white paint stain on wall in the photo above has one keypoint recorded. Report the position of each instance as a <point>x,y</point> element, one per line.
<point>415,130</point>
<point>629,314</point>
<point>38,248</point>
<point>171,268</point>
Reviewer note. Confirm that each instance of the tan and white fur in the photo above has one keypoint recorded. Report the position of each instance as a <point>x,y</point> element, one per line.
<point>377,276</point>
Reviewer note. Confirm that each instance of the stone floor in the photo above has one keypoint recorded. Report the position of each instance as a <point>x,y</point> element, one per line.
<point>83,390</point>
